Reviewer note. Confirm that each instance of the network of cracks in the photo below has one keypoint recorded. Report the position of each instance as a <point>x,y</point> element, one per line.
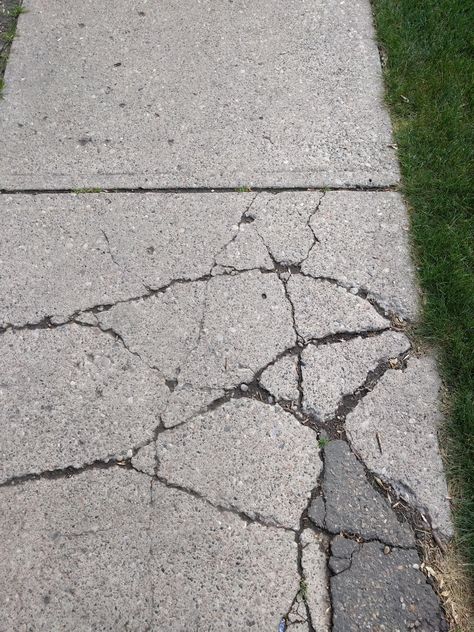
<point>253,409</point>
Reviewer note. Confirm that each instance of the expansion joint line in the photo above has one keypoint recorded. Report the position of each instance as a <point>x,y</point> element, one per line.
<point>217,189</point>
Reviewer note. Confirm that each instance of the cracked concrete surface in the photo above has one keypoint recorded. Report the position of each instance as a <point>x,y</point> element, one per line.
<point>350,503</point>
<point>323,308</point>
<point>314,567</point>
<point>230,326</point>
<point>76,553</point>
<point>246,324</point>
<point>72,395</point>
<point>101,551</point>
<point>211,416</point>
<point>210,569</point>
<point>371,230</point>
<point>332,371</point>
<point>281,378</point>
<point>394,429</point>
<point>107,248</point>
<point>212,455</point>
<point>394,592</point>
<point>283,223</point>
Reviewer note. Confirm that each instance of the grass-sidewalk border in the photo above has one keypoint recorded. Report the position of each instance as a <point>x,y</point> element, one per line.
<point>10,10</point>
<point>427,52</point>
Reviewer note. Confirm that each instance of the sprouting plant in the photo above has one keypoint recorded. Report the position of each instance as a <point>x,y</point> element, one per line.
<point>303,591</point>
<point>8,36</point>
<point>17,10</point>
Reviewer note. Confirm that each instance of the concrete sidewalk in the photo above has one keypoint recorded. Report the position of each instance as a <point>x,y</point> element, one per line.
<point>211,414</point>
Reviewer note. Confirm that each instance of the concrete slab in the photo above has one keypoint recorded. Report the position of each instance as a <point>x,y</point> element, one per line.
<point>363,243</point>
<point>381,591</point>
<point>188,401</point>
<point>274,94</point>
<point>246,252</point>
<point>323,309</point>
<point>98,553</point>
<point>283,223</point>
<point>211,571</point>
<point>64,253</point>
<point>352,505</point>
<point>145,459</point>
<point>247,323</point>
<point>70,396</point>
<point>394,430</point>
<point>245,455</point>
<point>229,328</point>
<point>314,565</point>
<point>86,502</point>
<point>331,371</point>
<point>149,327</point>
<point>76,553</point>
<point>281,379</point>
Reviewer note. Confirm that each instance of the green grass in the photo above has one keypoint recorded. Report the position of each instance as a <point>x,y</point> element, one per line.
<point>303,590</point>
<point>7,35</point>
<point>17,10</point>
<point>428,52</point>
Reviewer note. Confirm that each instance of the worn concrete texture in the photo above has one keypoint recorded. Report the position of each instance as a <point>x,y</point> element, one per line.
<point>332,371</point>
<point>394,429</point>
<point>247,323</point>
<point>323,309</point>
<point>314,564</point>
<point>281,378</point>
<point>230,327</point>
<point>144,459</point>
<point>211,569</point>
<point>362,242</point>
<point>70,396</point>
<point>64,253</point>
<point>245,252</point>
<point>383,591</point>
<point>76,553</point>
<point>274,94</point>
<point>282,220</point>
<point>350,503</point>
<point>103,551</point>
<point>148,325</point>
<point>201,318</point>
<point>246,455</point>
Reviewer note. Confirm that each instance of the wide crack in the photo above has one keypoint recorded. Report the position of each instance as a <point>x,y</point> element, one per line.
<point>281,270</point>
<point>70,471</point>
<point>253,390</point>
